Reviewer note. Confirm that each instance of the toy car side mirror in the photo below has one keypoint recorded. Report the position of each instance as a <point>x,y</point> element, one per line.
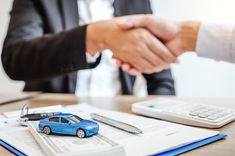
<point>69,123</point>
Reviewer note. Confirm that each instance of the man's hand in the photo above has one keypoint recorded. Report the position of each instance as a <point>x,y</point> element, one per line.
<point>178,37</point>
<point>137,47</point>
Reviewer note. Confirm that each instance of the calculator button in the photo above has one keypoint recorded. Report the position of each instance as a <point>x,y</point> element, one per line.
<point>213,117</point>
<point>202,115</point>
<point>212,112</point>
<point>224,113</point>
<point>220,115</point>
<point>193,113</point>
<point>196,109</point>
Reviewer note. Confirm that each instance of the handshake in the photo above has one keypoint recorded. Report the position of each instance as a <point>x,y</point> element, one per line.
<point>142,43</point>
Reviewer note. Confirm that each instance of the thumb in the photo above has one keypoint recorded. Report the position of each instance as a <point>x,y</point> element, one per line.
<point>125,23</point>
<point>161,28</point>
<point>132,21</point>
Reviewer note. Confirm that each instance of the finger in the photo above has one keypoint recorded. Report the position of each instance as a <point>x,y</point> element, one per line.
<point>161,50</point>
<point>118,62</point>
<point>125,23</point>
<point>152,58</point>
<point>136,60</point>
<point>133,72</point>
<point>126,67</point>
<point>132,21</point>
<point>167,67</point>
<point>144,66</point>
<point>129,69</point>
<point>177,61</point>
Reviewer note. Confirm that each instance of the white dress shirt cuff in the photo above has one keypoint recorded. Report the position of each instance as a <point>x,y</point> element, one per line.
<point>217,41</point>
<point>90,58</point>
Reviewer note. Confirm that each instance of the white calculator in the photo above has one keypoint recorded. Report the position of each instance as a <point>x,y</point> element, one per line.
<point>194,114</point>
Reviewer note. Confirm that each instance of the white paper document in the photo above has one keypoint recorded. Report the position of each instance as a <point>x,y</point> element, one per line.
<point>55,145</point>
<point>21,139</point>
<point>158,136</point>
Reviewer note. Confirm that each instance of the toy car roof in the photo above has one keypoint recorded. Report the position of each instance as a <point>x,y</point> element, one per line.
<point>63,115</point>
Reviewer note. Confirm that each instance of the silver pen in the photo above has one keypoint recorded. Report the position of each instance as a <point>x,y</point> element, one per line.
<point>117,124</point>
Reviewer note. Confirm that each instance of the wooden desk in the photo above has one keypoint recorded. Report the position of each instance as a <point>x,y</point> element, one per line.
<point>123,103</point>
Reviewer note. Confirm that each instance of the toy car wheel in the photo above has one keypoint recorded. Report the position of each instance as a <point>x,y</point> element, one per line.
<point>47,130</point>
<point>81,133</point>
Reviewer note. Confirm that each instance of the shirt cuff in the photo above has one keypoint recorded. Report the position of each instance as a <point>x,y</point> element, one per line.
<point>90,58</point>
<point>217,41</point>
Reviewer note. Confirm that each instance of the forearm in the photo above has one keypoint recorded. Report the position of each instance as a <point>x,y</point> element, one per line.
<point>217,41</point>
<point>46,56</point>
<point>211,40</point>
<point>100,35</point>
<point>94,38</point>
<point>186,38</point>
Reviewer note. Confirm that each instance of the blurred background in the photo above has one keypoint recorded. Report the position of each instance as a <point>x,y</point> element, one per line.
<point>195,77</point>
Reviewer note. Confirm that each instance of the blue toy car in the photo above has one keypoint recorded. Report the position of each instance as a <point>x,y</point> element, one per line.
<point>70,124</point>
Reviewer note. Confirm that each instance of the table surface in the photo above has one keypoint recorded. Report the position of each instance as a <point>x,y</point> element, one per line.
<point>123,103</point>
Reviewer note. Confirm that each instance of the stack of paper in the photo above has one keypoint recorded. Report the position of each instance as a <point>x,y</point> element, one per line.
<point>20,138</point>
<point>54,145</point>
<point>158,136</point>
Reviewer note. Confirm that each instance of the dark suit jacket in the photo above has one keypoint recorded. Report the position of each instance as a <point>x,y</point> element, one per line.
<point>45,47</point>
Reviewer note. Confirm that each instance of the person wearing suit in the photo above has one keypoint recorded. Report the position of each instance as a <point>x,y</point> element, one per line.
<point>46,48</point>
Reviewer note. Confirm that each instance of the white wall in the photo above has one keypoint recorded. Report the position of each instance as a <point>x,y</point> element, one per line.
<point>194,76</point>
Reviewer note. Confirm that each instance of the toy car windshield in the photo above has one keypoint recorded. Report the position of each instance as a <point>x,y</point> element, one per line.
<point>75,118</point>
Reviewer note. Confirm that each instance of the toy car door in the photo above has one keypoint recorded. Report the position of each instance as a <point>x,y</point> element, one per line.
<point>54,124</point>
<point>66,126</point>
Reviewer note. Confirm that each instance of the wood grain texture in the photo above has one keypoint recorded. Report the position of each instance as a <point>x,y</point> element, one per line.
<point>123,103</point>
<point>4,152</point>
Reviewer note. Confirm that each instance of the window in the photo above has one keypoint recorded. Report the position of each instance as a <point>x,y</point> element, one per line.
<point>54,119</point>
<point>75,118</point>
<point>63,120</point>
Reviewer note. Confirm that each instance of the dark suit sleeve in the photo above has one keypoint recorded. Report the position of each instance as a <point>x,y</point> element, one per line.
<point>161,83</point>
<point>28,54</point>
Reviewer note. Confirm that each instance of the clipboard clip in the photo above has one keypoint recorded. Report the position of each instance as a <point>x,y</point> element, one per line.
<point>26,116</point>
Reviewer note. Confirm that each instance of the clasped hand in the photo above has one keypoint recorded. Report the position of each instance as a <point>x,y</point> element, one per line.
<point>142,43</point>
